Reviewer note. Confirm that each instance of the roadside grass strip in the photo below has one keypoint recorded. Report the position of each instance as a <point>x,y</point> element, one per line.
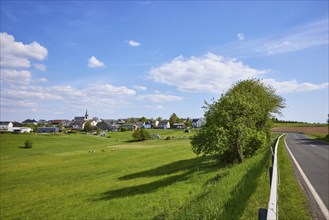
<point>235,193</point>
<point>292,202</point>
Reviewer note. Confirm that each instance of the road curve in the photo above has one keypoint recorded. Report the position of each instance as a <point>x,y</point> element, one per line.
<point>313,158</point>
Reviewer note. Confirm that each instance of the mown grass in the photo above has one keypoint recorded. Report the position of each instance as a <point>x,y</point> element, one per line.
<point>59,179</point>
<point>292,202</point>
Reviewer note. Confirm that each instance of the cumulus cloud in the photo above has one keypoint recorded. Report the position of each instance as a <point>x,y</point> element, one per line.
<point>16,76</point>
<point>294,86</point>
<point>215,74</point>
<point>159,98</point>
<point>208,73</point>
<point>93,62</point>
<point>240,36</point>
<point>133,43</point>
<point>17,54</point>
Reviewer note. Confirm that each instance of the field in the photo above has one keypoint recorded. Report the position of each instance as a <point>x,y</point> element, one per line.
<point>316,131</point>
<point>157,179</point>
<point>304,129</point>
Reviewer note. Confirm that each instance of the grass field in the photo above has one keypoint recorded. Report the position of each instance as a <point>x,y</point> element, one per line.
<point>59,179</point>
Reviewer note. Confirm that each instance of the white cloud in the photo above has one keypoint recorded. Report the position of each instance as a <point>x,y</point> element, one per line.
<point>303,37</point>
<point>16,76</point>
<point>294,86</point>
<point>17,54</point>
<point>93,62</point>
<point>215,74</point>
<point>240,36</point>
<point>109,90</point>
<point>133,43</point>
<point>299,38</point>
<point>42,79</point>
<point>40,67</point>
<point>28,95</point>
<point>141,88</point>
<point>208,73</point>
<point>159,98</point>
<point>97,95</point>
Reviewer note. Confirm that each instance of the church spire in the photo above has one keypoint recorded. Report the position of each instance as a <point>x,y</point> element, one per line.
<point>86,115</point>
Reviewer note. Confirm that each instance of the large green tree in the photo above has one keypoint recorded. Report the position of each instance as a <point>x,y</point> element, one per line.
<point>173,119</point>
<point>239,122</point>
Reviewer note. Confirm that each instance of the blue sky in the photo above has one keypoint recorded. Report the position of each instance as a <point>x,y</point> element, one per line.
<point>133,59</point>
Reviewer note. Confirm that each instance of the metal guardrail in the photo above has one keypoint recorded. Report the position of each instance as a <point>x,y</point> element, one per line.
<point>271,212</point>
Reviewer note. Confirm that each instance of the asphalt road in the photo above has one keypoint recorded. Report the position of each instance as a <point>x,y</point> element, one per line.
<point>313,158</point>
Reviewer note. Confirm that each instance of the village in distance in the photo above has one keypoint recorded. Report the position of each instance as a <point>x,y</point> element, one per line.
<point>85,123</point>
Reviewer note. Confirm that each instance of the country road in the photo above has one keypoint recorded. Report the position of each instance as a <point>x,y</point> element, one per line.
<point>313,158</point>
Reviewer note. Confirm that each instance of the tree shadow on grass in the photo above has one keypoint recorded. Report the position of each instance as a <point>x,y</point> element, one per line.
<point>235,207</point>
<point>188,167</point>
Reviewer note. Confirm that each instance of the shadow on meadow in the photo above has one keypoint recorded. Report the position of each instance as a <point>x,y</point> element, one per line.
<point>202,206</point>
<point>188,167</point>
<point>244,190</point>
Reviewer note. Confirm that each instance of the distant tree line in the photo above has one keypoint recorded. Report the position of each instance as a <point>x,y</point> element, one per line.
<point>275,120</point>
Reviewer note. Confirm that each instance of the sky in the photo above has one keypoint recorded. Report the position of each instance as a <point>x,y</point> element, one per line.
<point>122,59</point>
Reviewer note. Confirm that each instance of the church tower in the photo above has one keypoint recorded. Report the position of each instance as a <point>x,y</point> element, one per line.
<point>86,115</point>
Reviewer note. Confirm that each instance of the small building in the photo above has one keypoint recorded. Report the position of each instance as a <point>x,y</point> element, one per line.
<point>48,130</point>
<point>30,122</point>
<point>78,125</point>
<point>198,122</point>
<point>114,127</point>
<point>103,125</point>
<point>6,125</point>
<point>179,126</point>
<point>121,121</point>
<point>148,125</point>
<point>140,124</point>
<point>164,125</point>
<point>20,130</point>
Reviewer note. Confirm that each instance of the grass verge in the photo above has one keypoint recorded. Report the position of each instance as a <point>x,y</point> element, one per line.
<point>292,202</point>
<point>235,193</point>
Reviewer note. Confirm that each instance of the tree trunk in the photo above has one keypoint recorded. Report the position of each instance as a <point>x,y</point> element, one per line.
<point>238,149</point>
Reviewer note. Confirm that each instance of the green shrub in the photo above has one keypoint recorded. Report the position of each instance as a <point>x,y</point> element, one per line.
<point>28,144</point>
<point>168,138</point>
<point>141,135</point>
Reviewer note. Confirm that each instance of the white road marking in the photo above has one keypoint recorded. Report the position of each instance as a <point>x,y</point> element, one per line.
<point>313,145</point>
<point>316,196</point>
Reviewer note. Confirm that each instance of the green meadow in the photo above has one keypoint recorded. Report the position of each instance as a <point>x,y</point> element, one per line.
<point>58,178</point>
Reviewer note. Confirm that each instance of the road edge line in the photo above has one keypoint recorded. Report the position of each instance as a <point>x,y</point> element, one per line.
<point>316,196</point>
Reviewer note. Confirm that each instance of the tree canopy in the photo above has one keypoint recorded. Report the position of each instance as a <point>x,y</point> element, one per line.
<point>239,122</point>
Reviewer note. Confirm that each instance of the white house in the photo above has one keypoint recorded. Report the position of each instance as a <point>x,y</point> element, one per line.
<point>20,130</point>
<point>198,122</point>
<point>6,125</point>
<point>164,125</point>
